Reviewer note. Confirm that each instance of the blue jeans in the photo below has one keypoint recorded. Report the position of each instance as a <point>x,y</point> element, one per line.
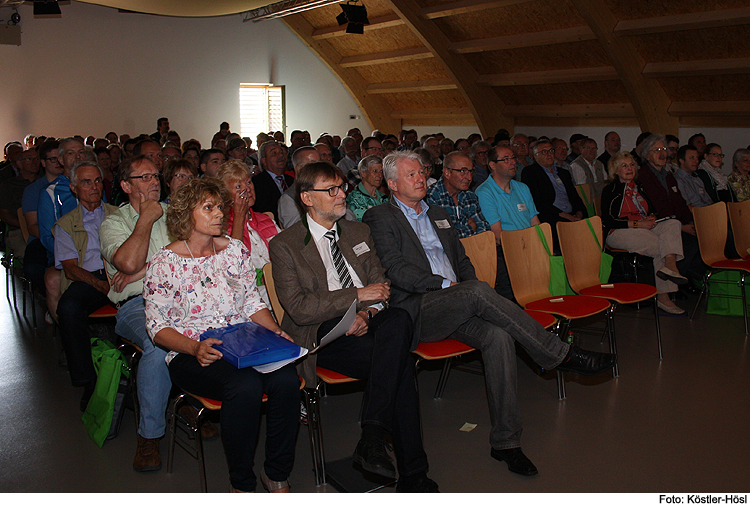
<point>153,380</point>
<point>471,312</point>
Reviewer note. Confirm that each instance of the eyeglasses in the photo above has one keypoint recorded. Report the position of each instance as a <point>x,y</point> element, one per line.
<point>165,157</point>
<point>546,151</point>
<point>52,159</point>
<point>716,155</point>
<point>373,148</point>
<point>505,159</point>
<point>589,148</point>
<point>332,191</point>
<point>183,176</point>
<point>34,158</point>
<point>146,177</point>
<point>519,145</point>
<point>660,149</point>
<point>463,171</point>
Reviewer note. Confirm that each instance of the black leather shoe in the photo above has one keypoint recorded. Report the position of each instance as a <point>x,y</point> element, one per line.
<point>421,486</point>
<point>586,362</point>
<point>516,459</point>
<point>373,457</point>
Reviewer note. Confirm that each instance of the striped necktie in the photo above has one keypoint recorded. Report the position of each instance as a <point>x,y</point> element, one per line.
<point>338,260</point>
<point>282,182</point>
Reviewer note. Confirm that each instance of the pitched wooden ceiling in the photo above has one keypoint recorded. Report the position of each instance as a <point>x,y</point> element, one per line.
<point>501,63</point>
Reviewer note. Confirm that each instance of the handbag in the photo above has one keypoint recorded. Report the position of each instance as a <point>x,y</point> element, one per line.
<point>558,280</point>
<point>605,265</point>
<point>110,368</point>
<point>249,344</point>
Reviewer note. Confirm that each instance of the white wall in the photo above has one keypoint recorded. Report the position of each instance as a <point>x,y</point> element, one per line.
<point>97,70</point>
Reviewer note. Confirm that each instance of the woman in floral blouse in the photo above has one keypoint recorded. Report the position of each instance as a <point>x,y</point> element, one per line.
<point>205,280</point>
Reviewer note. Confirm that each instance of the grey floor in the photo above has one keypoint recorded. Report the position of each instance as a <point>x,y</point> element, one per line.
<point>680,424</point>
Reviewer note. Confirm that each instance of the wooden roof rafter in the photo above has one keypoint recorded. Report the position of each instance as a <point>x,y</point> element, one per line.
<point>482,102</point>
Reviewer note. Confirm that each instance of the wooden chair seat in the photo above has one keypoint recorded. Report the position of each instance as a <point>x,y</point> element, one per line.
<point>106,311</point>
<point>545,319</point>
<point>443,349</point>
<point>332,377</point>
<point>570,307</point>
<point>621,292</point>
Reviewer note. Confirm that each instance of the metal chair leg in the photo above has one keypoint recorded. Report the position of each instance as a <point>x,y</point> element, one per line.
<point>312,399</point>
<point>706,280</point>
<point>443,380</point>
<point>612,336</point>
<point>562,330</point>
<point>744,301</point>
<point>658,325</point>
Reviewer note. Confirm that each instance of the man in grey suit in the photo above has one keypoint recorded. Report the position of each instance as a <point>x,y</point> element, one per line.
<point>433,279</point>
<point>321,265</point>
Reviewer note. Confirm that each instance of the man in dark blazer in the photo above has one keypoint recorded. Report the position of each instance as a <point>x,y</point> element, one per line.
<point>555,200</point>
<point>271,182</point>
<point>433,279</point>
<point>321,265</point>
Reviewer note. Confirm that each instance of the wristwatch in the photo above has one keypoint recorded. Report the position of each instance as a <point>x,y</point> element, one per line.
<point>369,314</point>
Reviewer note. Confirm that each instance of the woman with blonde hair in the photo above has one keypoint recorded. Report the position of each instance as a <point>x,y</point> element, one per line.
<point>203,280</point>
<point>254,229</point>
<point>629,221</point>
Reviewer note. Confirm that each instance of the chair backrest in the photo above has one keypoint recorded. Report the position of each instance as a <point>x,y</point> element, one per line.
<point>711,228</point>
<point>272,296</point>
<point>23,225</point>
<point>527,262</point>
<point>739,216</point>
<point>581,253</point>
<point>482,253</point>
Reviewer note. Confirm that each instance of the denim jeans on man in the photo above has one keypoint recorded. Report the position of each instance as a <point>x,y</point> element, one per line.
<point>153,382</point>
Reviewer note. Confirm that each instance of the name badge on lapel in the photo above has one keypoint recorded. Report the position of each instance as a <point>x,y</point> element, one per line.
<point>674,189</point>
<point>522,207</point>
<point>360,248</point>
<point>443,224</point>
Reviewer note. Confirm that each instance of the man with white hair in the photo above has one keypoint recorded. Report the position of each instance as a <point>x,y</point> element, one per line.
<point>433,279</point>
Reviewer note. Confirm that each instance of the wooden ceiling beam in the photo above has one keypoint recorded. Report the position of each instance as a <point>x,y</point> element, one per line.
<point>684,22</point>
<point>697,68</point>
<point>430,112</point>
<point>481,100</point>
<point>606,123</point>
<point>648,98</point>
<point>710,108</point>
<point>714,122</point>
<point>606,73</point>
<point>464,6</point>
<point>605,110</point>
<point>381,22</point>
<point>517,41</point>
<point>399,55</point>
<point>374,108</point>
<point>411,86</point>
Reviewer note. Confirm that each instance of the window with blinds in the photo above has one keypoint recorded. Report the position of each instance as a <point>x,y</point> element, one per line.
<point>261,109</point>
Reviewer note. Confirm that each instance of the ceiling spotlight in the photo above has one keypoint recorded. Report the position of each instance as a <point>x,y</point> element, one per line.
<point>355,15</point>
<point>15,19</point>
<point>46,7</point>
